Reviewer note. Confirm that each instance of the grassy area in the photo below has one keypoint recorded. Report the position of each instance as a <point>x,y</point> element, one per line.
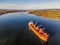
<point>47,13</point>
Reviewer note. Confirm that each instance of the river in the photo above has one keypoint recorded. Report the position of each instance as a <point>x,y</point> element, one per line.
<point>14,29</point>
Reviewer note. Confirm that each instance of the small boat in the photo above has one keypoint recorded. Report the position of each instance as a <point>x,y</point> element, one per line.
<point>39,32</point>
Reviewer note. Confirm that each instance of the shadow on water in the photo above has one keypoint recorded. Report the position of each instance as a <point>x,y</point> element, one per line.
<point>14,28</point>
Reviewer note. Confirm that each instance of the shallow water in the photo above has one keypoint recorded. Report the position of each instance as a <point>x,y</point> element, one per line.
<point>14,29</point>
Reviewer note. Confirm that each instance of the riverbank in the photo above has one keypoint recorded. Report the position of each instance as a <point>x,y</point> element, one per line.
<point>10,11</point>
<point>53,14</point>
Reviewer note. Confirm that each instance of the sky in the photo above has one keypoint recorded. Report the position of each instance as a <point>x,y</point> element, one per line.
<point>29,4</point>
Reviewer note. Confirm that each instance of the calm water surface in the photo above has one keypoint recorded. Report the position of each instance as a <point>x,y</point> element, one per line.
<point>14,29</point>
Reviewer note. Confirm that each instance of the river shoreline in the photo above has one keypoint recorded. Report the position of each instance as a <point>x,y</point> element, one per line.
<point>48,13</point>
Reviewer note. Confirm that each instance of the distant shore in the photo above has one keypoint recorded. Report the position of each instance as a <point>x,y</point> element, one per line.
<point>48,13</point>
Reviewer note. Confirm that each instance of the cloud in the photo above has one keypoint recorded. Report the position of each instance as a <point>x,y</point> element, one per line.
<point>31,6</point>
<point>9,6</point>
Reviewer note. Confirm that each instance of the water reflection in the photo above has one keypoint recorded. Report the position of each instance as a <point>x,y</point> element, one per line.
<point>14,29</point>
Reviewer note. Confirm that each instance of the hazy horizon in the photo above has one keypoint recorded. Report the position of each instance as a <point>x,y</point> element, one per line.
<point>29,4</point>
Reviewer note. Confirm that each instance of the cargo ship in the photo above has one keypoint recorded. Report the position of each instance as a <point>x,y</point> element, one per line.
<point>39,32</point>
